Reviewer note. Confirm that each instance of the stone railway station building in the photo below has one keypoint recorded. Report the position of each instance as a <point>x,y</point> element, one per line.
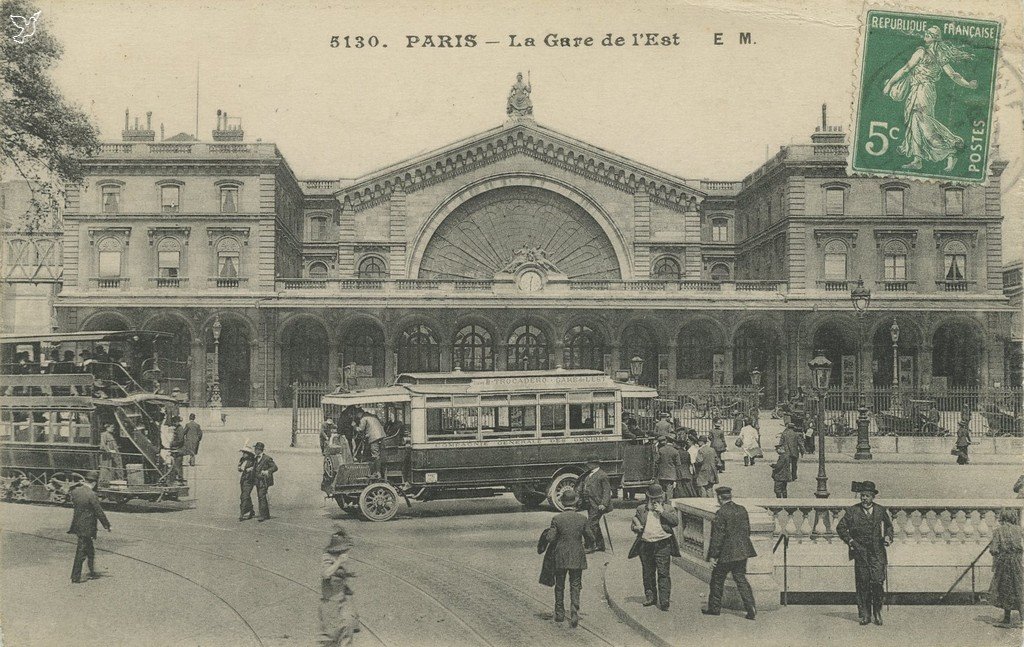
<point>523,247</point>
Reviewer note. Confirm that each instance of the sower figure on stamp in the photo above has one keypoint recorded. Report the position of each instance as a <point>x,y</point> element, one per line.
<point>246,481</point>
<point>338,619</point>
<point>569,532</point>
<point>594,492</point>
<point>654,524</point>
<point>867,529</point>
<point>730,547</point>
<point>83,524</point>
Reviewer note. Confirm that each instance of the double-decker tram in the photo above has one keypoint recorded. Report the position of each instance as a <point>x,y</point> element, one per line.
<point>461,434</point>
<point>76,402</point>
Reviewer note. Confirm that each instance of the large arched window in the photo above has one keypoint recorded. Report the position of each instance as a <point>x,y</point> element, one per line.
<point>719,272</point>
<point>527,349</point>
<point>418,350</point>
<point>666,268</point>
<point>372,267</point>
<point>583,348</point>
<point>835,261</point>
<point>895,260</point>
<point>228,256</point>
<point>954,261</point>
<point>363,345</point>
<point>109,258</point>
<point>473,349</point>
<point>318,270</point>
<point>168,258</point>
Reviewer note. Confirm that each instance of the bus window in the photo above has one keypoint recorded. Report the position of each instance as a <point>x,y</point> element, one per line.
<point>594,418</point>
<point>552,420</point>
<point>6,425</point>
<point>509,422</point>
<point>452,423</point>
<point>82,429</point>
<point>39,424</point>
<point>61,430</point>
<point>22,427</point>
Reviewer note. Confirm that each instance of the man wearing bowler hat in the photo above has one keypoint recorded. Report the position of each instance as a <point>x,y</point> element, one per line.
<point>83,524</point>
<point>568,532</point>
<point>594,492</point>
<point>654,524</point>
<point>263,471</point>
<point>867,529</point>
<point>730,548</point>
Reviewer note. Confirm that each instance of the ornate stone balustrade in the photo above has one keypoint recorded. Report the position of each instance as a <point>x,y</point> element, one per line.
<point>915,521</point>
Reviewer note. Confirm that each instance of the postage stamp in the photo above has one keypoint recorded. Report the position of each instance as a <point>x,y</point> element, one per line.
<point>925,96</point>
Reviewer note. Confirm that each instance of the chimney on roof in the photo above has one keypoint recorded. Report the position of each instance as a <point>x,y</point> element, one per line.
<point>137,133</point>
<point>161,131</point>
<point>825,134</point>
<point>226,131</point>
<point>824,116</point>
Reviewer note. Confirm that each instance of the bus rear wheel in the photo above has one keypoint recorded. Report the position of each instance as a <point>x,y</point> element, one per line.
<point>559,484</point>
<point>378,502</point>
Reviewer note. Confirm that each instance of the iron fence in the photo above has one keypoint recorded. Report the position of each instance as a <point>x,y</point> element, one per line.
<point>925,412</point>
<point>306,413</point>
<point>698,410</point>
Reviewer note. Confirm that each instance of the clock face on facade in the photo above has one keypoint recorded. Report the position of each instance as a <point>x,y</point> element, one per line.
<point>531,281</point>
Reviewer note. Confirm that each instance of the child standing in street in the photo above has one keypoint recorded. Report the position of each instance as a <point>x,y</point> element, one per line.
<point>782,472</point>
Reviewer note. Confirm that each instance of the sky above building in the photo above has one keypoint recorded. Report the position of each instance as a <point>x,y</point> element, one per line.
<point>697,110</point>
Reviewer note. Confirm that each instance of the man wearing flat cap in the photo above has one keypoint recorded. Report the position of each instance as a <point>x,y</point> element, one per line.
<point>654,524</point>
<point>730,548</point>
<point>337,617</point>
<point>83,524</point>
<point>867,529</point>
<point>568,532</point>
<point>594,492</point>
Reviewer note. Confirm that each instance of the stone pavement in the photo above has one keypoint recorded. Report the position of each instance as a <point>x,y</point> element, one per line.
<point>937,626</point>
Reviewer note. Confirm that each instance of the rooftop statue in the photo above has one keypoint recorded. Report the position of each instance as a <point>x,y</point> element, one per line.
<point>529,256</point>
<point>519,104</point>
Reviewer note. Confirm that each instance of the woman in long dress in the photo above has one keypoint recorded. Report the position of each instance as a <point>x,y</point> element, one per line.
<point>925,137</point>
<point>1007,589</point>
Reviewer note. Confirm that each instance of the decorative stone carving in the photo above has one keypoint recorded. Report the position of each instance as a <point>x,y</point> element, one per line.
<point>159,232</point>
<point>882,236</point>
<point>529,255</point>
<point>519,103</point>
<point>823,235</point>
<point>943,235</point>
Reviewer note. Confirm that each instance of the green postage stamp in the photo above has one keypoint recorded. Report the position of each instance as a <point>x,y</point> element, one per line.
<point>925,96</point>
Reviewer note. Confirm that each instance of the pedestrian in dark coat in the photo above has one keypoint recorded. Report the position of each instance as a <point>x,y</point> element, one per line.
<point>654,524</point>
<point>782,473</point>
<point>867,529</point>
<point>568,532</point>
<point>246,481</point>
<point>594,493</point>
<point>718,444</point>
<point>338,619</point>
<point>193,436</point>
<point>83,524</point>
<point>669,465</point>
<point>790,439</point>
<point>705,472</point>
<point>263,469</point>
<point>730,548</point>
<point>664,426</point>
<point>963,442</point>
<point>1007,589</point>
<point>684,480</point>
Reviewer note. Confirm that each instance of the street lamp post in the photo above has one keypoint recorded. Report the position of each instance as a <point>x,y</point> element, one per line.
<point>215,401</point>
<point>636,369</point>
<point>861,298</point>
<point>821,373</point>
<point>894,333</point>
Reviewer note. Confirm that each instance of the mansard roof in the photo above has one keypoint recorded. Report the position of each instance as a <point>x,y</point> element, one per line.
<point>518,137</point>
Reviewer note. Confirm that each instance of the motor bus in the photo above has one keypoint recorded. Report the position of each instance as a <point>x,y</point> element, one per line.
<point>52,413</point>
<point>462,434</point>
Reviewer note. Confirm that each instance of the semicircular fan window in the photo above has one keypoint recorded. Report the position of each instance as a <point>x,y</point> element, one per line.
<point>482,236</point>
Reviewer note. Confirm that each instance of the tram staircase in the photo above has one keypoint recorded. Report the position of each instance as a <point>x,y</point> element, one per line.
<point>134,420</point>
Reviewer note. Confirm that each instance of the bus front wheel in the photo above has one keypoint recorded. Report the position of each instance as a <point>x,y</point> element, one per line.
<point>561,483</point>
<point>528,497</point>
<point>378,502</point>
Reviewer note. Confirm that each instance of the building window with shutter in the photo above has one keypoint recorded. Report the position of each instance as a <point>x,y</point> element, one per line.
<point>954,202</point>
<point>895,262</point>
<point>835,201</point>
<point>835,261</point>
<point>109,259</point>
<point>170,198</point>
<point>894,202</point>
<point>228,254</point>
<point>720,230</point>
<point>111,198</point>
<point>229,199</point>
<point>168,259</point>
<point>954,263</point>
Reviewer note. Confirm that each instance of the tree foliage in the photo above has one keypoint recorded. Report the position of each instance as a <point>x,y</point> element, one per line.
<point>43,138</point>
